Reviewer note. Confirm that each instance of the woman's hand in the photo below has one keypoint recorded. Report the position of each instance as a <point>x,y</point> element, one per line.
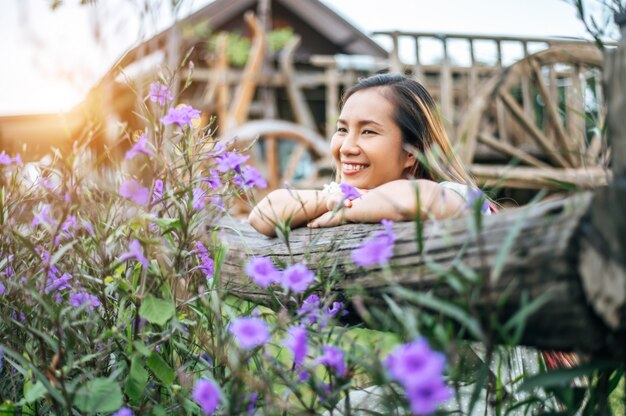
<point>331,218</point>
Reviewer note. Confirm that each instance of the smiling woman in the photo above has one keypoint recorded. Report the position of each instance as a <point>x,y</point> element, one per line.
<point>390,145</point>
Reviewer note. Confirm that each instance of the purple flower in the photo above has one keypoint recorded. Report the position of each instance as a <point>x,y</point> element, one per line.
<point>250,332</point>
<point>262,271</point>
<point>296,341</point>
<point>84,299</point>
<point>124,411</point>
<point>230,161</point>
<point>297,278</point>
<point>349,191</point>
<point>157,191</point>
<point>198,198</point>
<point>214,180</point>
<point>59,284</point>
<point>207,394</point>
<point>476,196</point>
<point>249,177</point>
<point>135,252</point>
<point>217,201</point>
<point>181,116</point>
<point>252,403</point>
<point>426,395</point>
<point>310,309</point>
<point>159,93</point>
<point>133,190</point>
<point>2,289</point>
<point>7,160</point>
<point>333,357</point>
<point>206,262</point>
<point>140,147</point>
<point>415,361</point>
<point>377,249</point>
<point>42,217</point>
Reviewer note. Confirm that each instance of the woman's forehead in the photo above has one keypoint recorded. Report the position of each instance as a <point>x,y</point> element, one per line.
<point>368,105</point>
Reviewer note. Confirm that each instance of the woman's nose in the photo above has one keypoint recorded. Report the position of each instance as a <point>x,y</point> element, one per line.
<point>350,145</point>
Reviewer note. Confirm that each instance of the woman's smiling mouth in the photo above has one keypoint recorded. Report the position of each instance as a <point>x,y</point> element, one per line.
<point>352,168</point>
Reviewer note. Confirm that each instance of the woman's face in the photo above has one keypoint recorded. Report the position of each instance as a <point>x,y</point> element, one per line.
<point>367,146</point>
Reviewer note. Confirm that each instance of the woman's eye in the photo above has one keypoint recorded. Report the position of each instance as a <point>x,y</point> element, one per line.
<point>369,132</point>
<point>342,130</point>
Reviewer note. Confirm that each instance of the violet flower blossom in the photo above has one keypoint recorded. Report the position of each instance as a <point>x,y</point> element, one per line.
<point>79,299</point>
<point>198,198</point>
<point>249,177</point>
<point>133,190</point>
<point>420,371</point>
<point>7,160</point>
<point>141,146</point>
<point>157,191</point>
<point>333,357</point>
<point>296,341</point>
<point>207,394</point>
<point>214,180</point>
<point>207,265</point>
<point>249,332</point>
<point>159,93</point>
<point>349,191</point>
<point>123,411</point>
<point>135,252</point>
<point>231,161</point>
<point>297,278</point>
<point>262,271</point>
<point>377,249</point>
<point>181,116</point>
<point>42,217</point>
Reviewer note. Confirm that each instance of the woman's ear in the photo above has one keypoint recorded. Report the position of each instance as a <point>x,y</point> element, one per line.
<point>409,160</point>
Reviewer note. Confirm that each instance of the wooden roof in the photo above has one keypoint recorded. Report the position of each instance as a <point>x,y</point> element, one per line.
<point>322,30</point>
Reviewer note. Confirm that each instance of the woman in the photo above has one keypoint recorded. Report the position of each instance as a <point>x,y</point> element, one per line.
<point>390,143</point>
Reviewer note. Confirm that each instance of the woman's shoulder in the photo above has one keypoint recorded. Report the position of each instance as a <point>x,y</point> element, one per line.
<point>469,194</point>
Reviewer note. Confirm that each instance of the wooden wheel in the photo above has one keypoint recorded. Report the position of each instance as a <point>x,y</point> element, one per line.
<point>546,111</point>
<point>283,151</point>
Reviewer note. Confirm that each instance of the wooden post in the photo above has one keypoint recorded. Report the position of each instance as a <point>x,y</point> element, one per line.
<point>473,75</point>
<point>604,252</point>
<point>332,100</point>
<point>396,63</point>
<point>418,73</point>
<point>446,85</point>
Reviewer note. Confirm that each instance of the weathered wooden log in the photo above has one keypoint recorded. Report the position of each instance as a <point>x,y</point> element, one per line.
<point>549,256</point>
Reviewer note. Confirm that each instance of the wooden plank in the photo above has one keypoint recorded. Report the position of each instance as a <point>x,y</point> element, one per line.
<point>535,133</point>
<point>271,153</point>
<point>543,261</point>
<point>553,116</point>
<point>510,150</point>
<point>445,83</point>
<point>332,101</point>
<point>301,110</point>
<point>524,177</point>
<point>575,107</point>
<point>418,73</point>
<point>473,74</point>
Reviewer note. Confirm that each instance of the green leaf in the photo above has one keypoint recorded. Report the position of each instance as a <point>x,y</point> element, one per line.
<point>445,308</point>
<point>156,311</point>
<point>142,349</point>
<point>161,369</point>
<point>137,380</point>
<point>562,377</point>
<point>34,392</point>
<point>99,395</point>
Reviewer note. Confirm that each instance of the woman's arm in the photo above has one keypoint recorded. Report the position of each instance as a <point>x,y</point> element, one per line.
<point>397,201</point>
<point>282,205</point>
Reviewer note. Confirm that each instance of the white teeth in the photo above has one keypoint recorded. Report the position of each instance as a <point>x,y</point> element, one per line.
<point>351,167</point>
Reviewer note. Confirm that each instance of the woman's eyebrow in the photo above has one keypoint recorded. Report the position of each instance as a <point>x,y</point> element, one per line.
<point>360,122</point>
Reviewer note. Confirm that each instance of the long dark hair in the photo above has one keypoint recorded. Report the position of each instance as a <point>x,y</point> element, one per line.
<point>423,132</point>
